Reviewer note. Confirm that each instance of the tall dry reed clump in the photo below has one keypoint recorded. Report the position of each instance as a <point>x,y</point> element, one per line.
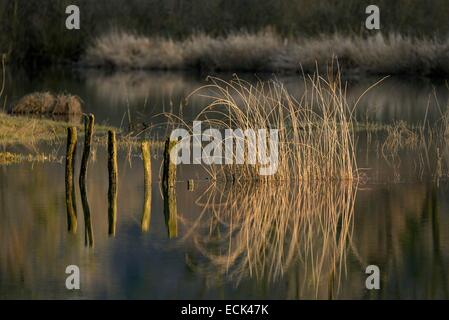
<point>267,51</point>
<point>300,219</point>
<point>266,231</point>
<point>315,133</point>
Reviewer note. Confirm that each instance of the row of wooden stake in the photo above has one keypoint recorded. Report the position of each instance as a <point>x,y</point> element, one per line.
<point>168,183</point>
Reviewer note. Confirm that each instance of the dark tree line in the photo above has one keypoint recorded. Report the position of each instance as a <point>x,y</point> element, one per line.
<point>33,31</point>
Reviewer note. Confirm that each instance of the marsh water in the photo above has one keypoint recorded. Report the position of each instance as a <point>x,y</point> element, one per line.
<point>396,218</point>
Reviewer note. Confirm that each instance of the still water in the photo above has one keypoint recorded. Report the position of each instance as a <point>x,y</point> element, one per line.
<point>396,218</point>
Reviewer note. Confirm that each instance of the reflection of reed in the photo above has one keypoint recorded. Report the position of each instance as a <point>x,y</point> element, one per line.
<point>88,133</point>
<point>70,180</point>
<point>264,230</point>
<point>146,215</point>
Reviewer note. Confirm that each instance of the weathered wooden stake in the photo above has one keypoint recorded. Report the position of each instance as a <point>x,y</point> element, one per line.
<point>112,191</point>
<point>88,133</point>
<point>168,186</point>
<point>190,185</point>
<point>70,196</point>
<point>169,174</point>
<point>146,215</point>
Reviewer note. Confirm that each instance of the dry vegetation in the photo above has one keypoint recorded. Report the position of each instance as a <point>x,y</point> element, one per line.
<point>427,145</point>
<point>416,151</point>
<point>11,158</point>
<point>315,133</point>
<point>28,131</point>
<point>48,103</point>
<point>267,51</point>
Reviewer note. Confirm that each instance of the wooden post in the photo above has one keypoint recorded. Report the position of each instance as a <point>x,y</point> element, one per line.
<point>146,215</point>
<point>190,185</point>
<point>70,196</point>
<point>169,174</point>
<point>168,186</point>
<point>112,191</point>
<point>88,133</point>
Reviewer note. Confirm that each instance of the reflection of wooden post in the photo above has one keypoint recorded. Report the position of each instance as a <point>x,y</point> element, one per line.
<point>146,156</point>
<point>168,186</point>
<point>88,133</point>
<point>70,197</point>
<point>112,191</point>
<point>331,284</point>
<point>170,212</point>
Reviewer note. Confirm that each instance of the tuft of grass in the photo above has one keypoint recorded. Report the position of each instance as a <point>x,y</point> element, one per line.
<point>315,133</point>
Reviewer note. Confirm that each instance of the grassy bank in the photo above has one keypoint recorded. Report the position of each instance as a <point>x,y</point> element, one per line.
<point>267,51</point>
<point>20,130</point>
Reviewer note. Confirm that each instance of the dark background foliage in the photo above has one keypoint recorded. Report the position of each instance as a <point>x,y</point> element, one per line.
<point>33,31</point>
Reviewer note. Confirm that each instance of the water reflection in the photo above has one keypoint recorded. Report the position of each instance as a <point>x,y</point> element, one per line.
<point>230,241</point>
<point>137,97</point>
<point>402,228</point>
<point>260,241</point>
<point>265,231</point>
